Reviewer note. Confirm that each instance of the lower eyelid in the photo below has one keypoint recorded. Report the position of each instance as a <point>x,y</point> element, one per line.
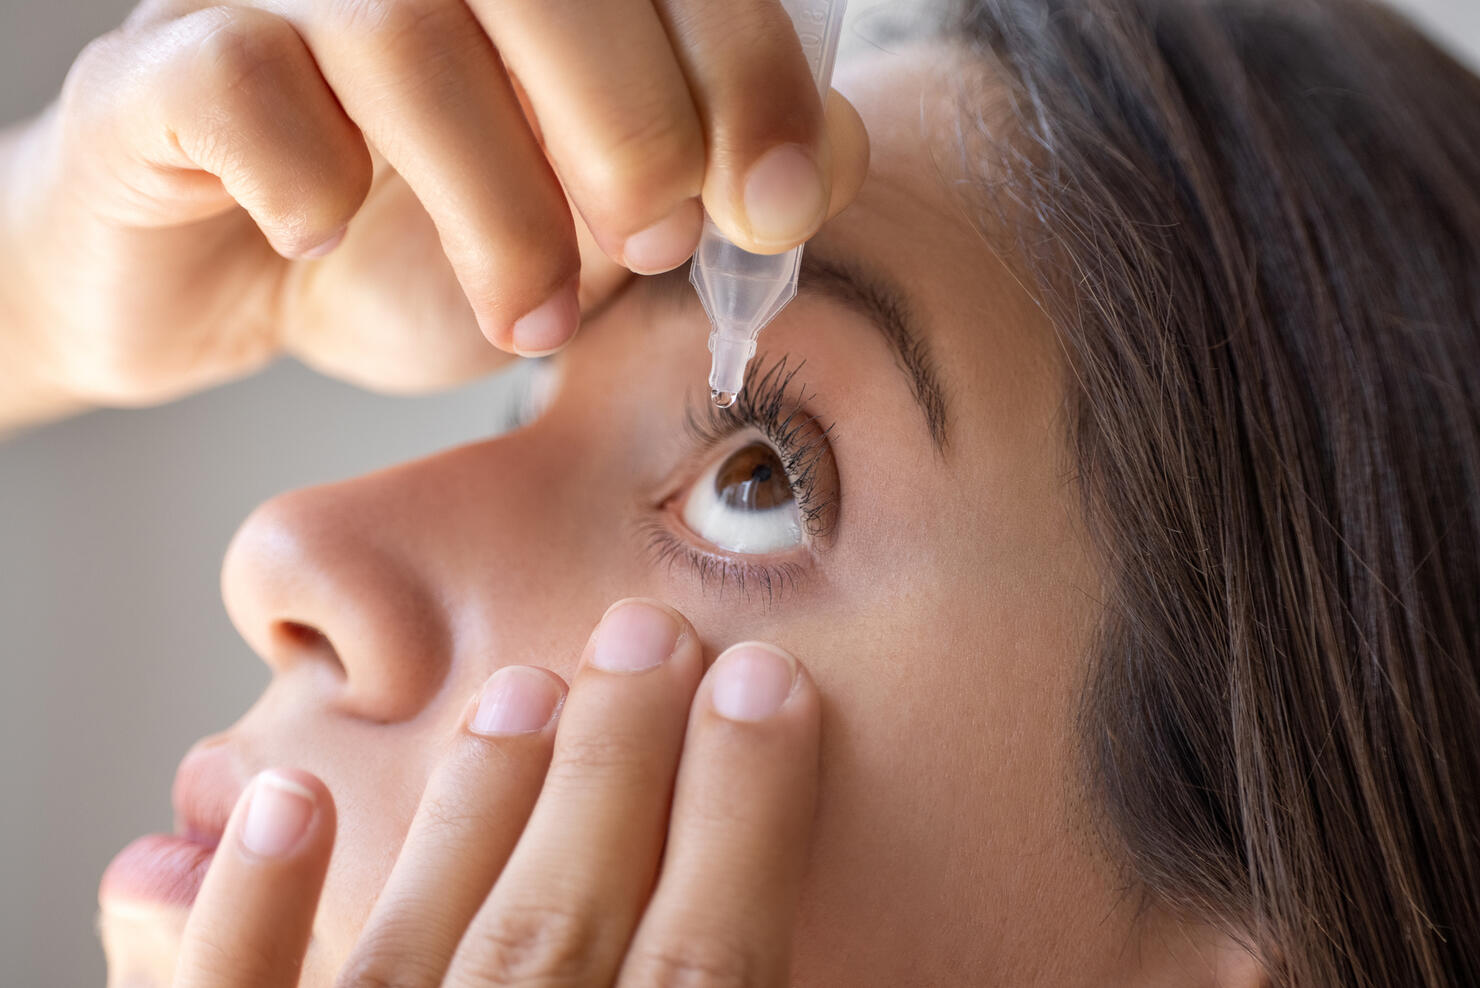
<point>758,577</point>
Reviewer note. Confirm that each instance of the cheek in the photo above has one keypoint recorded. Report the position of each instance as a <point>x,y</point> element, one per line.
<point>944,816</point>
<point>950,673</point>
<point>372,825</point>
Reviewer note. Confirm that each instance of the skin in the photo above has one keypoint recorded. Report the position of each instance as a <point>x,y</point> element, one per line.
<point>944,622</point>
<point>165,221</point>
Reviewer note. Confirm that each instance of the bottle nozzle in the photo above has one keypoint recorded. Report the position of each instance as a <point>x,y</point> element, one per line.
<point>741,291</point>
<point>727,372</point>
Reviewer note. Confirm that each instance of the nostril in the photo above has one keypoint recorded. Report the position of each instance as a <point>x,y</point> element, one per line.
<point>344,608</point>
<point>295,640</point>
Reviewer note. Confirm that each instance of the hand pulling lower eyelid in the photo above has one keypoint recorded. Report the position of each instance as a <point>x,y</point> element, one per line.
<point>741,292</point>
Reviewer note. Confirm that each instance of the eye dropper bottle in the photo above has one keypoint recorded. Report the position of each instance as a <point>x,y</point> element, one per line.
<point>741,291</point>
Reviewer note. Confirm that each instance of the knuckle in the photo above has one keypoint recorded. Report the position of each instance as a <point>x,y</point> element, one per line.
<point>765,95</point>
<point>608,757</point>
<point>377,979</point>
<point>504,283</point>
<point>401,948</point>
<point>657,154</point>
<point>391,25</point>
<point>241,47</point>
<point>691,962</point>
<point>532,944</point>
<point>357,976</point>
<point>216,961</point>
<point>445,820</point>
<point>386,965</point>
<point>243,65</point>
<point>709,28</point>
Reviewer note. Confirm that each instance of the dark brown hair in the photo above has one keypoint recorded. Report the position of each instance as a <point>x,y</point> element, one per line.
<point>1256,227</point>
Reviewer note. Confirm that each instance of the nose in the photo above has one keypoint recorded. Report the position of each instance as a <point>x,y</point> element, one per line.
<point>320,581</point>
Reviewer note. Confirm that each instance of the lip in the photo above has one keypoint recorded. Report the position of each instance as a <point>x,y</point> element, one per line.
<point>169,868</point>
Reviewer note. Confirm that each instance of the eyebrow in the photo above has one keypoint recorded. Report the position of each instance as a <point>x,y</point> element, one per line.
<point>872,295</point>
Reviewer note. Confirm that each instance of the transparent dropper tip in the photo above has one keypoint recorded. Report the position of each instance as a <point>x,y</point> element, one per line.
<point>741,291</point>
<point>727,372</point>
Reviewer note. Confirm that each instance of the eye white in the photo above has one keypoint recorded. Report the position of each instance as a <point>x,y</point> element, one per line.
<point>736,528</point>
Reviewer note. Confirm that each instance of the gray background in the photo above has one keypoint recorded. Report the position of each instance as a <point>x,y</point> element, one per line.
<point>112,526</point>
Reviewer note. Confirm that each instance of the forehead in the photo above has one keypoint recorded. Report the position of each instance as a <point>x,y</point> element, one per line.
<point>922,216</point>
<point>910,103</point>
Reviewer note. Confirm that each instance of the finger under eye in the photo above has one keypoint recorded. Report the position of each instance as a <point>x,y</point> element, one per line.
<point>471,814</point>
<point>568,900</point>
<point>615,116</point>
<point>726,898</point>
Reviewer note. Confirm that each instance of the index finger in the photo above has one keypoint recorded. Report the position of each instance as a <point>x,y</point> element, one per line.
<point>250,924</point>
<point>727,893</point>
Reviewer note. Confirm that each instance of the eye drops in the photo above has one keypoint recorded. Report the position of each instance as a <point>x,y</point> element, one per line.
<point>742,292</point>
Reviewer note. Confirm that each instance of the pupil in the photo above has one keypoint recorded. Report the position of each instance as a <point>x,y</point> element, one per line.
<point>753,479</point>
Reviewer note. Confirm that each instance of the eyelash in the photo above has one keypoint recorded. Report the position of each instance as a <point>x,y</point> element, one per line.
<point>772,407</point>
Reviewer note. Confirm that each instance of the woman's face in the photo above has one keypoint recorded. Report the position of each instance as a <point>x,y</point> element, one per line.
<point>927,569</point>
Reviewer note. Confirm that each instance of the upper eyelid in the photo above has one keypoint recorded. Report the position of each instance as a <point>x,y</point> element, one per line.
<point>709,428</point>
<point>777,408</point>
<point>715,434</point>
<point>760,406</point>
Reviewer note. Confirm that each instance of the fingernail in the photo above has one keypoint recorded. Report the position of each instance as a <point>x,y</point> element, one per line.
<point>516,700</point>
<point>751,682</point>
<point>550,326</point>
<point>667,243</point>
<point>278,816</point>
<point>326,246</point>
<point>634,636</point>
<point>783,195</point>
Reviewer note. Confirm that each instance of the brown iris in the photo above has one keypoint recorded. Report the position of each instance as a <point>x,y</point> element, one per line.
<point>753,478</point>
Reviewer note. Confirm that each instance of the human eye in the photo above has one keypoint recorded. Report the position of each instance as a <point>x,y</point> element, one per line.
<point>764,494</point>
<point>744,502</point>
